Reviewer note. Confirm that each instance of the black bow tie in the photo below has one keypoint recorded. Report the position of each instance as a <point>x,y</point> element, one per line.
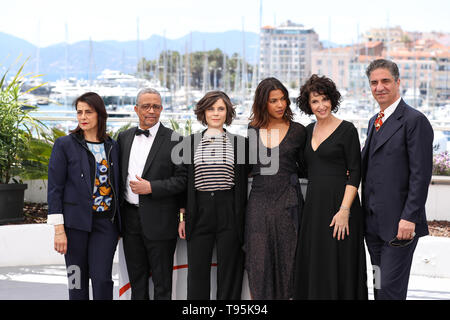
<point>144,132</point>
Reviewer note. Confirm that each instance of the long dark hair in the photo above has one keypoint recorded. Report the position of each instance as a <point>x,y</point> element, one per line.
<point>260,116</point>
<point>96,102</point>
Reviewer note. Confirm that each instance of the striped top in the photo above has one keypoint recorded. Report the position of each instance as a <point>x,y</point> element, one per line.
<point>214,163</point>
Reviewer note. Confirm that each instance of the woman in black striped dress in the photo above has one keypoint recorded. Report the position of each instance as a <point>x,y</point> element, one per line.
<point>215,201</point>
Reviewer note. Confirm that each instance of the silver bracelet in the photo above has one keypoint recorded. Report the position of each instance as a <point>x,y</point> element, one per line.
<point>344,208</point>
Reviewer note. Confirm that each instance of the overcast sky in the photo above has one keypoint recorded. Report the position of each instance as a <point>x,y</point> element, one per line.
<point>43,22</point>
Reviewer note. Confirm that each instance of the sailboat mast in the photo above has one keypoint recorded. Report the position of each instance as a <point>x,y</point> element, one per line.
<point>205,86</point>
<point>66,63</point>
<point>139,65</point>
<point>38,47</point>
<point>244,63</point>
<point>91,61</point>
<point>164,60</point>
<point>258,76</point>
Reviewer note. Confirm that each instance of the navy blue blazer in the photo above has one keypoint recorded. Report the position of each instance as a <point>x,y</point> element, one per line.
<point>403,160</point>
<point>71,181</point>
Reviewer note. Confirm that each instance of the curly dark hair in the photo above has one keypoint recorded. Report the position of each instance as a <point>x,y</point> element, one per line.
<point>320,85</point>
<point>208,100</point>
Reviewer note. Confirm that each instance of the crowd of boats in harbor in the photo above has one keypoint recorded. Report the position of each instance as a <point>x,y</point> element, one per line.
<point>119,90</point>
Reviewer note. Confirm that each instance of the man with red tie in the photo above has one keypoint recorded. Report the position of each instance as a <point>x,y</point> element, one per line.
<point>397,162</point>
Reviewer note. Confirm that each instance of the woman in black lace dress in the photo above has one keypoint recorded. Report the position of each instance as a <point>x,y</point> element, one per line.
<point>275,201</point>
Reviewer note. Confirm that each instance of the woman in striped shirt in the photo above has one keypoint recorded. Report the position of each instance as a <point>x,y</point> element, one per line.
<point>215,201</point>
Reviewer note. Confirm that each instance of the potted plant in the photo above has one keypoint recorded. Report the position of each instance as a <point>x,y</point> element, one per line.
<point>16,131</point>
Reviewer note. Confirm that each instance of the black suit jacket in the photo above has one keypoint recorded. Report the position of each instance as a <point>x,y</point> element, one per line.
<point>240,146</point>
<point>403,160</point>
<point>158,211</point>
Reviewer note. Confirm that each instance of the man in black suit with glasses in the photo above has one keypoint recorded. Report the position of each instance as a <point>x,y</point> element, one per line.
<point>150,185</point>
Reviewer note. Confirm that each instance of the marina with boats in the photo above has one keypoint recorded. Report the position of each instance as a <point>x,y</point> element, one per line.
<point>54,104</point>
<point>289,52</point>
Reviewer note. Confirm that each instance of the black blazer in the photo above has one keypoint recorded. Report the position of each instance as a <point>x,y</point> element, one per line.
<point>240,146</point>
<point>403,160</point>
<point>158,211</point>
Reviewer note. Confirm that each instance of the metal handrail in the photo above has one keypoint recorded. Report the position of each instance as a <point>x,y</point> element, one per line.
<point>360,123</point>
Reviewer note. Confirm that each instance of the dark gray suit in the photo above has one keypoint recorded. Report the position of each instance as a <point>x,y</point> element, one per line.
<point>150,230</point>
<point>396,172</point>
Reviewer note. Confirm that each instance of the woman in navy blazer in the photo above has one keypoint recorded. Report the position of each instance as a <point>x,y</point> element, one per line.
<point>83,175</point>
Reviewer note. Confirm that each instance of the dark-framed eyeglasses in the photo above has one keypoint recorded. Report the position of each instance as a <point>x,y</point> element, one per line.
<point>147,107</point>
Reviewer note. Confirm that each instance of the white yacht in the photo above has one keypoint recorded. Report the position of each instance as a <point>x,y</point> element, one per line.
<point>116,88</point>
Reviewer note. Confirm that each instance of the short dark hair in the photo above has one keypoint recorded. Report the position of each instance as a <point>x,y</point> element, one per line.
<point>320,85</point>
<point>96,102</point>
<point>208,100</point>
<point>385,64</point>
<point>260,116</point>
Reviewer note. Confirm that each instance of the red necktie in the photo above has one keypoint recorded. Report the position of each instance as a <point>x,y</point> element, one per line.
<point>379,121</point>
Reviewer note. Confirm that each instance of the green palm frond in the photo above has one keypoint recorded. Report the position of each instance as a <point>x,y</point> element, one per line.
<point>17,127</point>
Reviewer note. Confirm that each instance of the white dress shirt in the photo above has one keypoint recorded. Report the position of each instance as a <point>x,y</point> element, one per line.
<point>390,110</point>
<point>138,157</point>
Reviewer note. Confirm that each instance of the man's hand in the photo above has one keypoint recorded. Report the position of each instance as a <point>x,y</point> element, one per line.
<point>141,186</point>
<point>406,230</point>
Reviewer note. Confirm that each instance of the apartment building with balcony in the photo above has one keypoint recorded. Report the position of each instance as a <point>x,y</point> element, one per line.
<point>285,52</point>
<point>344,64</point>
<point>385,35</point>
<point>425,68</point>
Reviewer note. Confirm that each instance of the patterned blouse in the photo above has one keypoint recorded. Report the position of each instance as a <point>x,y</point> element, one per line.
<point>102,195</point>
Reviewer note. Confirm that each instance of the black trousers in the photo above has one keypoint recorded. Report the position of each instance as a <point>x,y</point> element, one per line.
<point>146,258</point>
<point>214,225</point>
<point>90,255</point>
<point>392,266</point>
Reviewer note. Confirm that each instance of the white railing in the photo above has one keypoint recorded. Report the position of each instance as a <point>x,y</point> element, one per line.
<point>116,119</point>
